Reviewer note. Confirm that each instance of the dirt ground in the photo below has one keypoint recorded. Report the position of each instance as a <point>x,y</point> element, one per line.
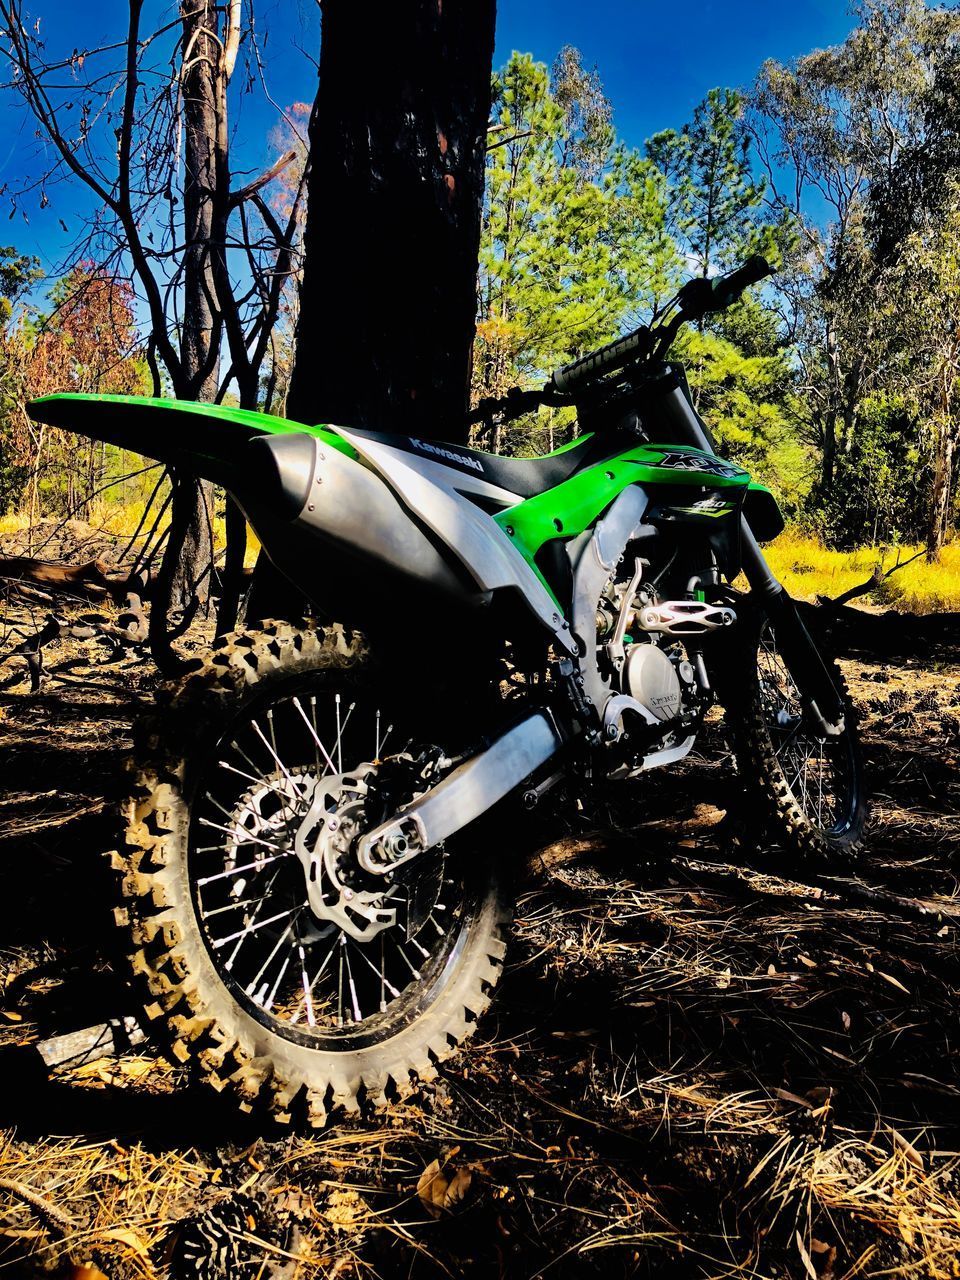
<point>697,1065</point>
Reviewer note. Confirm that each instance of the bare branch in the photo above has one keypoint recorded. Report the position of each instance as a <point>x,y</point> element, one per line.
<point>238,197</point>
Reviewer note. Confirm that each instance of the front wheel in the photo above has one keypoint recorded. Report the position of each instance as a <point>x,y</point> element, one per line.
<point>806,788</point>
<point>271,963</point>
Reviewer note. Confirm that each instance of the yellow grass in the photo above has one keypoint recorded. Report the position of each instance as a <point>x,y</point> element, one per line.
<point>121,520</point>
<point>805,566</point>
<point>808,569</point>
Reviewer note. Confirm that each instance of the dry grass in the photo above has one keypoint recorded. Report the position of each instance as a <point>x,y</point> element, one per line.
<point>110,526</point>
<point>805,566</point>
<point>697,1065</point>
<point>808,569</point>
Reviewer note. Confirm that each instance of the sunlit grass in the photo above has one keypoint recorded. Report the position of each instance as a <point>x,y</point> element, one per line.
<point>121,521</point>
<point>807,568</point>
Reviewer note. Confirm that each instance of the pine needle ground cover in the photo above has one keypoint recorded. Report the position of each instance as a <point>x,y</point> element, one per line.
<point>701,1062</point>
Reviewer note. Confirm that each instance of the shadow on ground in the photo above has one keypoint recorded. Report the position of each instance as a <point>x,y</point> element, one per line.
<point>699,1063</point>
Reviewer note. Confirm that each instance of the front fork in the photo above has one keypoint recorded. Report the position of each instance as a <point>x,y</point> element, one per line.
<point>800,653</point>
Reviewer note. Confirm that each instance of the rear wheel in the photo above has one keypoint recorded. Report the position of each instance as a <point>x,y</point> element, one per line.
<point>807,788</point>
<point>272,963</point>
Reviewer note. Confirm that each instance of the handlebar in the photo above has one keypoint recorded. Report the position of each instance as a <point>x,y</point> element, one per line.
<point>697,298</point>
<point>614,355</point>
<point>700,297</point>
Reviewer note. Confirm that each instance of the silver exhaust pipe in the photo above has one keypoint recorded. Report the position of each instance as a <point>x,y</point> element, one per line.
<point>300,480</point>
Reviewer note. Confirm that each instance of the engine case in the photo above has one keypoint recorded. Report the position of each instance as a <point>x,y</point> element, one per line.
<point>651,678</point>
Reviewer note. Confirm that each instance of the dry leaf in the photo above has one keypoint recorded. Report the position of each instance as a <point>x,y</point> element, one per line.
<point>86,1271</point>
<point>908,1149</point>
<point>830,1257</point>
<point>457,1188</point>
<point>432,1189</point>
<point>437,1194</point>
<point>724,980</point>
<point>845,1019</point>
<point>786,1096</point>
<point>124,1235</point>
<point>811,964</point>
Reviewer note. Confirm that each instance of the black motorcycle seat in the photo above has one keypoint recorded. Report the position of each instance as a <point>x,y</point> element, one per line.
<point>524,477</point>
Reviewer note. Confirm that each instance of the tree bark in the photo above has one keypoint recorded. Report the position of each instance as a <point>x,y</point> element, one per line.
<point>205,189</point>
<point>938,518</point>
<point>398,139</point>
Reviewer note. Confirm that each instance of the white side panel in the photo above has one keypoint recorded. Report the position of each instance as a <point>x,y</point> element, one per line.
<point>487,553</point>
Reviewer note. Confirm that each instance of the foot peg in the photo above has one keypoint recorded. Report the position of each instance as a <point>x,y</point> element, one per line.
<point>685,617</point>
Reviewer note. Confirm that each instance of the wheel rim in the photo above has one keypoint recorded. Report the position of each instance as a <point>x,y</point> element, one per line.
<point>307,979</point>
<point>819,771</point>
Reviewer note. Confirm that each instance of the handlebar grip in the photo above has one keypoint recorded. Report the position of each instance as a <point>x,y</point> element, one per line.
<point>730,287</point>
<point>614,355</point>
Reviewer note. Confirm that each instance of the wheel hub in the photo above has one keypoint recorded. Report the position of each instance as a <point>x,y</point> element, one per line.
<point>338,890</point>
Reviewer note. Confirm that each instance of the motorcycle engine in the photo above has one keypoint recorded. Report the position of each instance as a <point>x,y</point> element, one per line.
<point>650,677</point>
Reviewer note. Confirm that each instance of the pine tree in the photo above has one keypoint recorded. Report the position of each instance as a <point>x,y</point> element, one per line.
<point>395,189</point>
<point>714,198</point>
<point>572,238</point>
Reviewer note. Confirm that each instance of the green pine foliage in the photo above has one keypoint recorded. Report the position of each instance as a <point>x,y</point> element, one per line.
<point>570,230</point>
<point>583,237</point>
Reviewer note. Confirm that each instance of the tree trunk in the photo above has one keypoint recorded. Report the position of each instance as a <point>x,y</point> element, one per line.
<point>398,139</point>
<point>206,182</point>
<point>828,461</point>
<point>938,518</point>
<point>828,457</point>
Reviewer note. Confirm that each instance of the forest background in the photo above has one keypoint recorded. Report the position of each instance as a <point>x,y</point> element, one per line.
<point>838,384</point>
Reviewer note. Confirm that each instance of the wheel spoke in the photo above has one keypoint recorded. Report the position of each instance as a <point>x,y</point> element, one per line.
<point>815,771</point>
<point>295,965</point>
<point>253,928</point>
<point>316,737</point>
<point>318,975</point>
<point>306,986</point>
<point>261,972</point>
<point>246,838</point>
<point>354,1002</point>
<point>247,866</point>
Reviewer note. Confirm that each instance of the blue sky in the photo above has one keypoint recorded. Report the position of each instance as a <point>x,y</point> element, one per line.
<point>656,60</point>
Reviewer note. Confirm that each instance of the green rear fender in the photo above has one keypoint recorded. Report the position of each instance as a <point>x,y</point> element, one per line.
<point>204,436</point>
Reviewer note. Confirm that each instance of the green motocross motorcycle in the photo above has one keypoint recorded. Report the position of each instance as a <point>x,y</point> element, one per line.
<point>314,884</point>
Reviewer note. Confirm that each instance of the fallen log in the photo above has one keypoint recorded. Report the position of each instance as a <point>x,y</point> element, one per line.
<point>96,579</point>
<point>129,631</point>
<point>876,579</point>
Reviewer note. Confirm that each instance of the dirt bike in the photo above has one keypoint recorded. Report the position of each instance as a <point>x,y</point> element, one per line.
<point>314,883</point>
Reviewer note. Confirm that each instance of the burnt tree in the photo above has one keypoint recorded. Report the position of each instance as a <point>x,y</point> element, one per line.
<point>398,138</point>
